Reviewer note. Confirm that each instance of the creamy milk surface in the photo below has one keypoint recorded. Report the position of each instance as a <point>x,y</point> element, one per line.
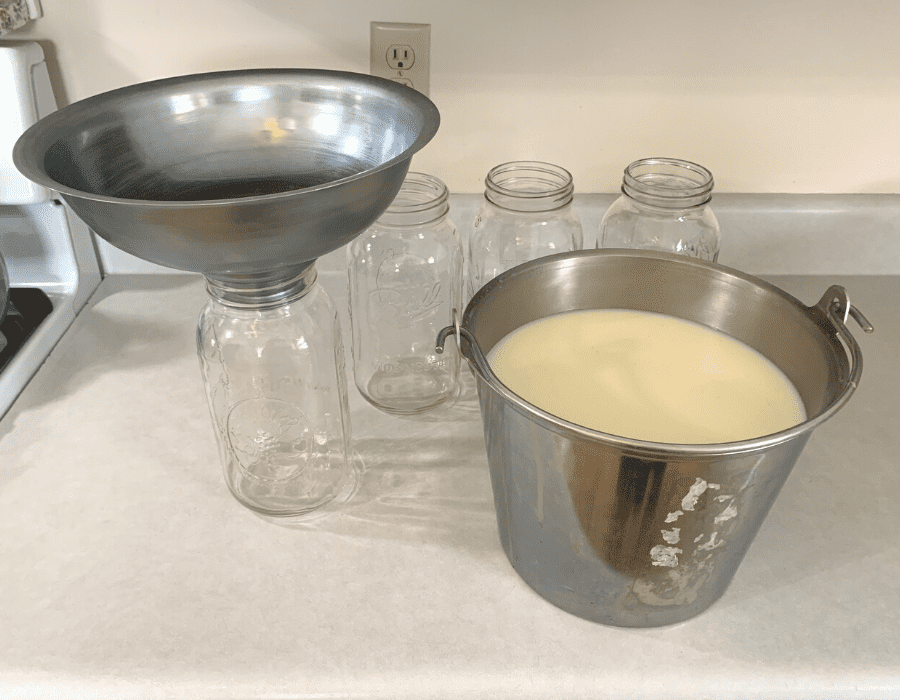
<point>646,376</point>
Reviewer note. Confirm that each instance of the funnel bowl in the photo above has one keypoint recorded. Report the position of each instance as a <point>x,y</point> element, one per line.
<point>233,173</point>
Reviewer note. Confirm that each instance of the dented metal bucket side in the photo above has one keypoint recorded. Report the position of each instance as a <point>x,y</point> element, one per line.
<point>618,537</point>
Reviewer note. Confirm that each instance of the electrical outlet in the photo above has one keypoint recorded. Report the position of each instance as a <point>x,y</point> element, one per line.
<point>400,56</point>
<point>401,51</point>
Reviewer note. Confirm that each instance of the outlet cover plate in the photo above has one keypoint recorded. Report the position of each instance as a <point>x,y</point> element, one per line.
<point>401,51</point>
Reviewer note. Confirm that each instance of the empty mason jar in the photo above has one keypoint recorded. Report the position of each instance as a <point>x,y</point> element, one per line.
<point>526,214</point>
<point>406,277</point>
<point>273,367</point>
<point>664,206</point>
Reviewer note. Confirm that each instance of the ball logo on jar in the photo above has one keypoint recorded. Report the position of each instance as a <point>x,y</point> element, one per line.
<point>407,289</point>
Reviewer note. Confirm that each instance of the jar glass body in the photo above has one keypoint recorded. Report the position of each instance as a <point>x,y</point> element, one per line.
<point>664,206</point>
<point>526,214</point>
<point>406,277</point>
<point>275,380</point>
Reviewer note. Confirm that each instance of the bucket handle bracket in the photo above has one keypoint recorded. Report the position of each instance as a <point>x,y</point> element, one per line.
<point>836,305</point>
<point>455,330</point>
<point>474,350</point>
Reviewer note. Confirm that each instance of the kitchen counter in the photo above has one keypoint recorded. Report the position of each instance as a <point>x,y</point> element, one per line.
<point>128,570</point>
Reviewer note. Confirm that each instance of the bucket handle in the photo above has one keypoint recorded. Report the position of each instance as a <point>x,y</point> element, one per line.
<point>835,304</point>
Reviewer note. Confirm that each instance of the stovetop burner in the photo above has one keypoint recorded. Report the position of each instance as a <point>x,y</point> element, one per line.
<point>28,307</point>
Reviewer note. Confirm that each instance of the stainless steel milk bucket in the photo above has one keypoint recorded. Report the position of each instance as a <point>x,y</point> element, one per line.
<point>633,533</point>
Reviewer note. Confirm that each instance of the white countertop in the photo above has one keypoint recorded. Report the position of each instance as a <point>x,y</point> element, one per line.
<point>127,569</point>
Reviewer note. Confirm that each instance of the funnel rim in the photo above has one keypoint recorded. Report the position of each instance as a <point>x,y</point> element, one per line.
<point>25,156</point>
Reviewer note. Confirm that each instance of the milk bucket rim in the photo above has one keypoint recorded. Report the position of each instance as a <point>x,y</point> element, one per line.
<point>668,450</point>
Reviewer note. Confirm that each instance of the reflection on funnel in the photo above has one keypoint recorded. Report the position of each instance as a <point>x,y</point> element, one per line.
<point>327,124</point>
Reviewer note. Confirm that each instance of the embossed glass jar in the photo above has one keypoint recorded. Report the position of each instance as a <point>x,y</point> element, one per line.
<point>273,367</point>
<point>406,277</point>
<point>664,206</point>
<point>526,214</point>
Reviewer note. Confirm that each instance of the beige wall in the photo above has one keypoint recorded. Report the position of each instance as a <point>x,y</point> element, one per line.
<point>772,96</point>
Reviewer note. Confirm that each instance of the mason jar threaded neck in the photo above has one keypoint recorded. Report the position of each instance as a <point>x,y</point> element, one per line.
<point>266,290</point>
<point>422,199</point>
<point>529,186</point>
<point>668,183</point>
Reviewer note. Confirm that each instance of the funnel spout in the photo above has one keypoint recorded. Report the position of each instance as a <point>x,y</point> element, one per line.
<point>262,290</point>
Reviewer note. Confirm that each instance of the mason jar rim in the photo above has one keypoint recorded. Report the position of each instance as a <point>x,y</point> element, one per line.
<point>432,195</point>
<point>686,184</point>
<point>548,186</point>
<point>562,177</point>
<point>419,183</point>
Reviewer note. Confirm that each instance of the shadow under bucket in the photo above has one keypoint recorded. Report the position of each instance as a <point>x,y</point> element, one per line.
<point>627,532</point>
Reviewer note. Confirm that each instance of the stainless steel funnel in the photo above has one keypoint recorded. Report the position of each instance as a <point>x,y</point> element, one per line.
<point>247,177</point>
<point>232,174</point>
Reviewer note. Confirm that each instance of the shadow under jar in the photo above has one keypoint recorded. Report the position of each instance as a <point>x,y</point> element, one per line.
<point>664,206</point>
<point>527,214</point>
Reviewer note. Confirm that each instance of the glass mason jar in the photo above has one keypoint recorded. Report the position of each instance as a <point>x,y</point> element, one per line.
<point>664,206</point>
<point>273,366</point>
<point>406,277</point>
<point>526,214</point>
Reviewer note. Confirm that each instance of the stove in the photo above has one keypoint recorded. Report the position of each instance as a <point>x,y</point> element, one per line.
<point>49,252</point>
<point>27,309</point>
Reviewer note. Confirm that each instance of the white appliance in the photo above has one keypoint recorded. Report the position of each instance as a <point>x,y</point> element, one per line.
<point>49,252</point>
